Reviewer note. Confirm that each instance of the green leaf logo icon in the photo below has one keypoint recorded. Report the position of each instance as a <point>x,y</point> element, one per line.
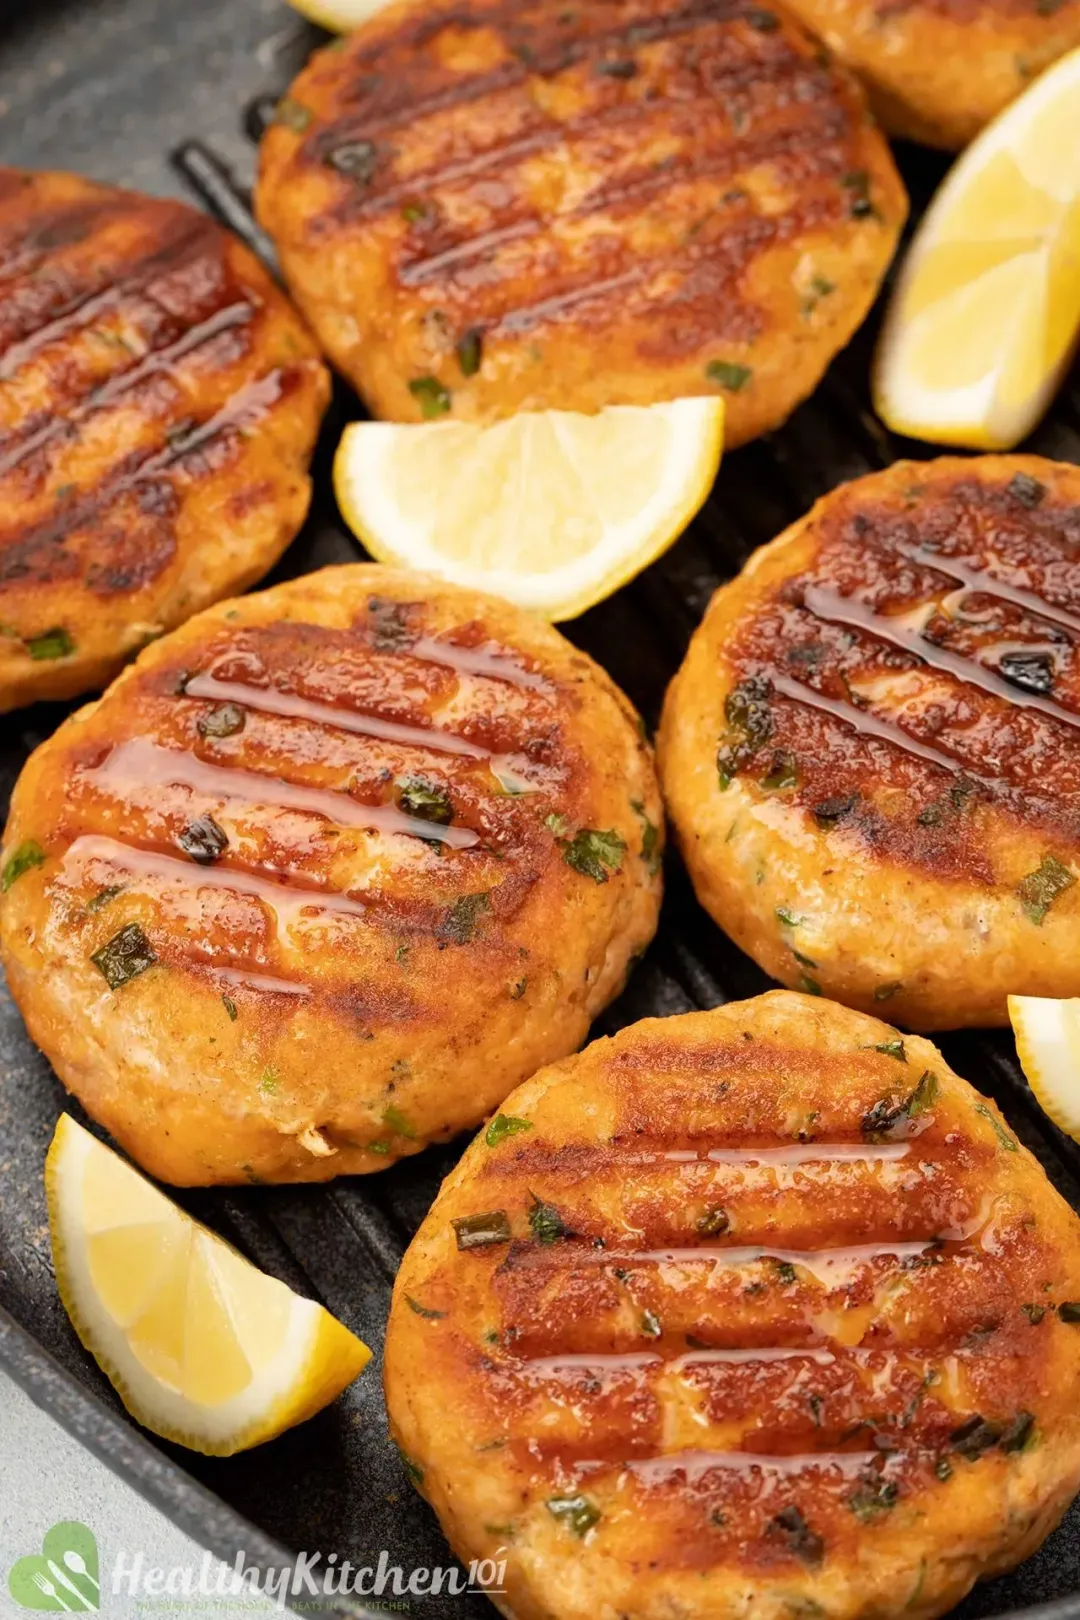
<point>63,1576</point>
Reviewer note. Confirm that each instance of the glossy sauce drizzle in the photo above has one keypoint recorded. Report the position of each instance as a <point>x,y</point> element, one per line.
<point>138,764</point>
<point>831,608</point>
<point>831,1267</point>
<point>507,768</point>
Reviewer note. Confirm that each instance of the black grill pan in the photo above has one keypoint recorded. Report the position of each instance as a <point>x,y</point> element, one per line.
<point>170,97</point>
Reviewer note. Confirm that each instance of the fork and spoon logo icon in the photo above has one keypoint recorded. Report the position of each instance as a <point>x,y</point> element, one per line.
<point>63,1576</point>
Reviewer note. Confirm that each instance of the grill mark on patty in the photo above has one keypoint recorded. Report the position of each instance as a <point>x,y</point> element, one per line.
<point>275,783</point>
<point>963,579</point>
<point>732,156</point>
<point>116,387</point>
<point>647,118</point>
<point>186,236</point>
<point>37,551</point>
<point>465,90</point>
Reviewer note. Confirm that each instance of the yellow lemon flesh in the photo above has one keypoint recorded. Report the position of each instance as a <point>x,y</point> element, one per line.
<point>202,1347</point>
<point>339,16</point>
<point>553,510</point>
<point>1048,1043</point>
<point>986,312</point>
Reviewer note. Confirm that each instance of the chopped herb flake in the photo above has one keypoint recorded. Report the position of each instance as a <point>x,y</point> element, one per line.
<point>504,1125</point>
<point>431,395</point>
<point>1022,487</point>
<point>56,643</point>
<point>424,800</point>
<point>464,915</point>
<point>395,1121</point>
<point>1041,888</point>
<point>413,1469</point>
<point>872,1498</point>
<point>594,853</point>
<point>203,840</point>
<point>651,1325</point>
<point>830,811</point>
<point>224,720</point>
<point>1030,671</point>
<point>789,918</point>
<point>1034,1313</point>
<point>423,1310</point>
<point>577,1513</point>
<point>727,374</point>
<point>230,1006</point>
<point>546,1222</point>
<point>999,1130</point>
<point>782,773</point>
<point>800,1539</point>
<point>888,1118</point>
<point>22,859</point>
<point>765,22</point>
<point>1020,1433</point>
<point>885,992</point>
<point>713,1222</point>
<point>293,114</point>
<point>98,901</point>
<point>1069,1311</point>
<point>616,68</point>
<point>357,159</point>
<point>269,1081</point>
<point>943,1468</point>
<point>893,1049</point>
<point>124,957</point>
<point>414,212</point>
<point>858,184</point>
<point>481,1231</point>
<point>650,837</point>
<point>975,1437</point>
<point>785,1272</point>
<point>470,352</point>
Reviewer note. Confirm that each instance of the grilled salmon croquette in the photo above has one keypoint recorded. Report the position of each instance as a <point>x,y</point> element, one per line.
<point>491,207</point>
<point>756,1311</point>
<point>871,754</point>
<point>159,402</point>
<point>938,70</point>
<point>325,874</point>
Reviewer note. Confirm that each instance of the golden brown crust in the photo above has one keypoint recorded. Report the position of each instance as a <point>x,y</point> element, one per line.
<point>777,1327</point>
<point>159,402</point>
<point>939,70</point>
<point>392,845</point>
<point>532,206</point>
<point>870,754</point>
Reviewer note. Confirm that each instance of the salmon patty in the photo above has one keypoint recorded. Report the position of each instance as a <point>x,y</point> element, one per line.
<point>491,207</point>
<point>938,70</point>
<point>325,874</point>
<point>159,403</point>
<point>760,1311</point>
<point>871,754</point>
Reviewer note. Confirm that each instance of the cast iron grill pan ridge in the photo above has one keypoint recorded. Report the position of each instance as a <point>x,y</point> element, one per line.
<point>117,90</point>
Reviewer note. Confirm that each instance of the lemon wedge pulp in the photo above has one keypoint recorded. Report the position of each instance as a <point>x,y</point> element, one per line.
<point>986,312</point>
<point>202,1347</point>
<point>1048,1044</point>
<point>553,510</point>
<point>339,16</point>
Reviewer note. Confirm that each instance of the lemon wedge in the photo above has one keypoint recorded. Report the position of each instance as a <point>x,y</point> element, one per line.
<point>553,510</point>
<point>1048,1044</point>
<point>339,16</point>
<point>986,313</point>
<point>202,1347</point>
